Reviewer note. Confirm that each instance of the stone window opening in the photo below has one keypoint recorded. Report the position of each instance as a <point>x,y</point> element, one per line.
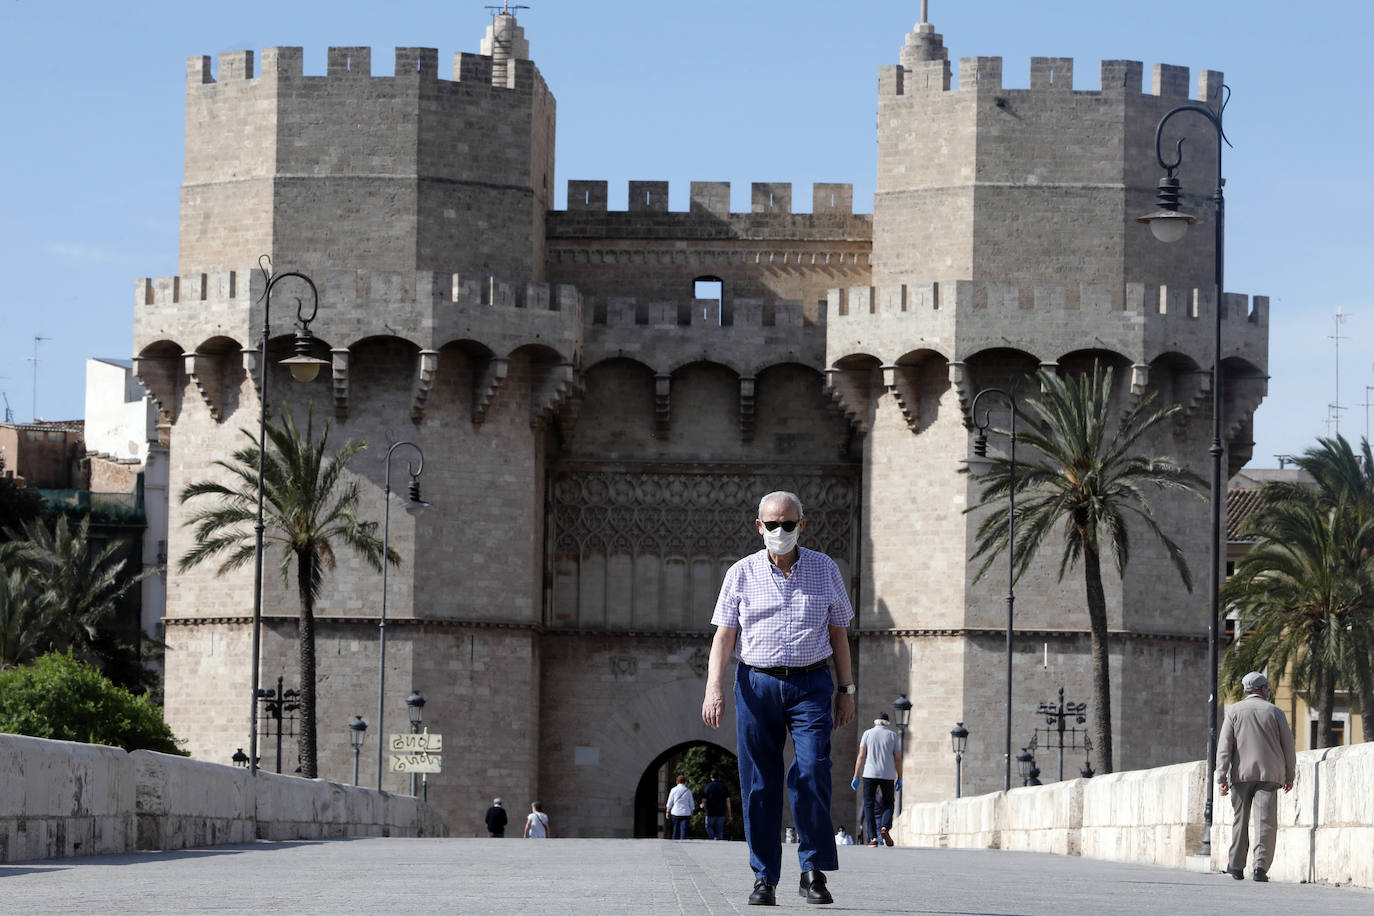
<point>711,288</point>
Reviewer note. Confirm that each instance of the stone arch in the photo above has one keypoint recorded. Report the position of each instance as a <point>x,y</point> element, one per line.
<point>159,367</point>
<point>649,791</point>
<point>617,412</point>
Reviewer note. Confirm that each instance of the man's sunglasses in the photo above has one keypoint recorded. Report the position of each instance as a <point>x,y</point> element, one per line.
<point>786,526</point>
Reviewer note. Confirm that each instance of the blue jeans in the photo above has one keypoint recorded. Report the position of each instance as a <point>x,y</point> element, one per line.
<point>878,799</point>
<point>680,824</point>
<point>767,710</point>
<point>715,827</point>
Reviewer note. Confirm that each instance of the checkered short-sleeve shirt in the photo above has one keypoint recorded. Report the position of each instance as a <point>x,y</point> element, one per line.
<point>783,620</point>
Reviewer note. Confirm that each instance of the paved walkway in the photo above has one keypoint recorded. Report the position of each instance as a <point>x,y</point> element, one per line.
<point>438,876</point>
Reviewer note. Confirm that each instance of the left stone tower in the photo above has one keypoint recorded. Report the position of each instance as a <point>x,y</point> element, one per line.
<point>405,172</point>
<point>417,204</point>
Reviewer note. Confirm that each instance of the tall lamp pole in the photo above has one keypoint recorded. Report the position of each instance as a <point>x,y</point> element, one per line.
<point>357,731</point>
<point>304,368</point>
<point>414,506</point>
<point>1168,224</point>
<point>958,736</point>
<point>980,450</point>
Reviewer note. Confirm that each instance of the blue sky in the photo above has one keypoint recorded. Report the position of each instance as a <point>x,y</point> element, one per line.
<point>91,99</point>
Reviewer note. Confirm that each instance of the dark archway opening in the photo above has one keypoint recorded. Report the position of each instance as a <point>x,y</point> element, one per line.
<point>696,760</point>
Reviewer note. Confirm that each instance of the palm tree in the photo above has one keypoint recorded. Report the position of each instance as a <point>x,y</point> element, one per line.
<point>21,619</point>
<point>1085,482</point>
<point>1292,593</point>
<point>75,585</point>
<point>309,507</point>
<point>1344,487</point>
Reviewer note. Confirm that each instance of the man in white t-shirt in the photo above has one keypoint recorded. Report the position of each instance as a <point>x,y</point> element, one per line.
<point>537,823</point>
<point>679,808</point>
<point>880,765</point>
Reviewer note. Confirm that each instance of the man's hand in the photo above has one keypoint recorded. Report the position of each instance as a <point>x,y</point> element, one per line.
<point>854,784</point>
<point>1224,787</point>
<point>1288,787</point>
<point>713,706</point>
<point>844,709</point>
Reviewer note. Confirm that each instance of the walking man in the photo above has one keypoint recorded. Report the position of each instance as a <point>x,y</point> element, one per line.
<point>715,800</point>
<point>1254,757</point>
<point>679,808</point>
<point>496,819</point>
<point>880,765</point>
<point>787,610</point>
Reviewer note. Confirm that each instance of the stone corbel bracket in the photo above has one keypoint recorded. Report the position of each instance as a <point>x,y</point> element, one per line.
<point>158,375</point>
<point>339,369</point>
<point>489,378</point>
<point>1201,394</point>
<point>663,414</point>
<point>1053,369</point>
<point>427,366</point>
<point>848,388</point>
<point>252,365</point>
<point>206,371</point>
<point>746,409</point>
<point>960,381</point>
<point>571,408</point>
<point>552,386</point>
<point>1140,380</point>
<point>1243,398</point>
<point>901,384</point>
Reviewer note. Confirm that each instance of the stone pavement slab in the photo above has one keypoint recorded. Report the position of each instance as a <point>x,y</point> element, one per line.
<point>479,876</point>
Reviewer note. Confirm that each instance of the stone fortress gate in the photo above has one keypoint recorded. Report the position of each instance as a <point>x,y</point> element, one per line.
<point>597,437</point>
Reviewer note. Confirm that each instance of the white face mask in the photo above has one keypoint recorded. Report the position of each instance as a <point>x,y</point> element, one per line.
<point>779,542</point>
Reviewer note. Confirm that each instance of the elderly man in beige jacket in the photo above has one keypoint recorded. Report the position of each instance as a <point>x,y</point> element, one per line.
<point>1254,757</point>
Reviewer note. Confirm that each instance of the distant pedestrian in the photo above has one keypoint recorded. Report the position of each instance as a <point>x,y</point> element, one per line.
<point>842,837</point>
<point>880,765</point>
<point>537,823</point>
<point>679,808</point>
<point>496,819</point>
<point>1254,757</point>
<point>715,800</point>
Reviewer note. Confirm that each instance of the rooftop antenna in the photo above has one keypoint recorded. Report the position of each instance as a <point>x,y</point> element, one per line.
<point>1336,405</point>
<point>505,9</point>
<point>9,414</point>
<point>925,10</point>
<point>34,359</point>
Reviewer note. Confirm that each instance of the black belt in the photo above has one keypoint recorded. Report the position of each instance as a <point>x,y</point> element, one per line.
<point>784,672</point>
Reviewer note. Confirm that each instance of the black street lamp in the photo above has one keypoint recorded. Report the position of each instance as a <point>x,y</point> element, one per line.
<point>277,703</point>
<point>415,708</point>
<point>902,706</point>
<point>357,731</point>
<point>980,450</point>
<point>958,736</point>
<point>414,506</point>
<point>303,368</point>
<point>1025,766</point>
<point>1056,715</point>
<point>1169,224</point>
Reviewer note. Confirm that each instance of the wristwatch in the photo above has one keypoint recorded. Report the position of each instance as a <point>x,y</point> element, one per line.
<point>848,688</point>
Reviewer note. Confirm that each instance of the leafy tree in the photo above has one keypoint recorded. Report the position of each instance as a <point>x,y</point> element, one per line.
<point>60,697</point>
<point>1306,589</point>
<point>697,764</point>
<point>309,506</point>
<point>73,586</point>
<point>1084,481</point>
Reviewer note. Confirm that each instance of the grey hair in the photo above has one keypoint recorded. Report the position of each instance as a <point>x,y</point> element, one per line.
<point>782,496</point>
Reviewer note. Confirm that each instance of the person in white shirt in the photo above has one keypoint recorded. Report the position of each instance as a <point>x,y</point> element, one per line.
<point>537,823</point>
<point>842,838</point>
<point>880,765</point>
<point>679,808</point>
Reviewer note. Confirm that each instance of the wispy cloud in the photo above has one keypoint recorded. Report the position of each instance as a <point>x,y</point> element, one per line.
<point>93,254</point>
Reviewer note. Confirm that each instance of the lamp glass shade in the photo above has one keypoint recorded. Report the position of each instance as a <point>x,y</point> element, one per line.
<point>902,706</point>
<point>357,731</point>
<point>1168,226</point>
<point>415,705</point>
<point>304,368</point>
<point>1024,761</point>
<point>958,736</point>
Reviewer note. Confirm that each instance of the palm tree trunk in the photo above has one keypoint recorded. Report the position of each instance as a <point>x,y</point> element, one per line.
<point>1101,659</point>
<point>1325,709</point>
<point>305,639</point>
<point>1364,686</point>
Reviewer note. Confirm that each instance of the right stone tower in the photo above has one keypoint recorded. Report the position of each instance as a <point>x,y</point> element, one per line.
<point>1005,242</point>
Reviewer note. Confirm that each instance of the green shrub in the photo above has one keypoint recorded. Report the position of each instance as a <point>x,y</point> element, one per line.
<point>62,698</point>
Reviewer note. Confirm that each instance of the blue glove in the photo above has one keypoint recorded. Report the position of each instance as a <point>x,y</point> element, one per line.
<point>898,784</point>
<point>854,783</point>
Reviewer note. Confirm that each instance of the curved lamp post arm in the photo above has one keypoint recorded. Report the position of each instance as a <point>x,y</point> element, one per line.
<point>980,449</point>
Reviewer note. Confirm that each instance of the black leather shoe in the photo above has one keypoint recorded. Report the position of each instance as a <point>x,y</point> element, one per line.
<point>763,894</point>
<point>813,887</point>
<point>1261,875</point>
<point>1237,873</point>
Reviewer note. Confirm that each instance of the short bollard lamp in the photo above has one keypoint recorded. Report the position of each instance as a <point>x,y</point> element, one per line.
<point>902,707</point>
<point>958,737</point>
<point>415,708</point>
<point>357,731</point>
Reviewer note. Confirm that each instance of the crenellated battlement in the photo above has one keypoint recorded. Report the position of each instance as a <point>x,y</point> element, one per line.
<point>1047,74</point>
<point>959,318</point>
<point>712,198</point>
<point>355,63</point>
